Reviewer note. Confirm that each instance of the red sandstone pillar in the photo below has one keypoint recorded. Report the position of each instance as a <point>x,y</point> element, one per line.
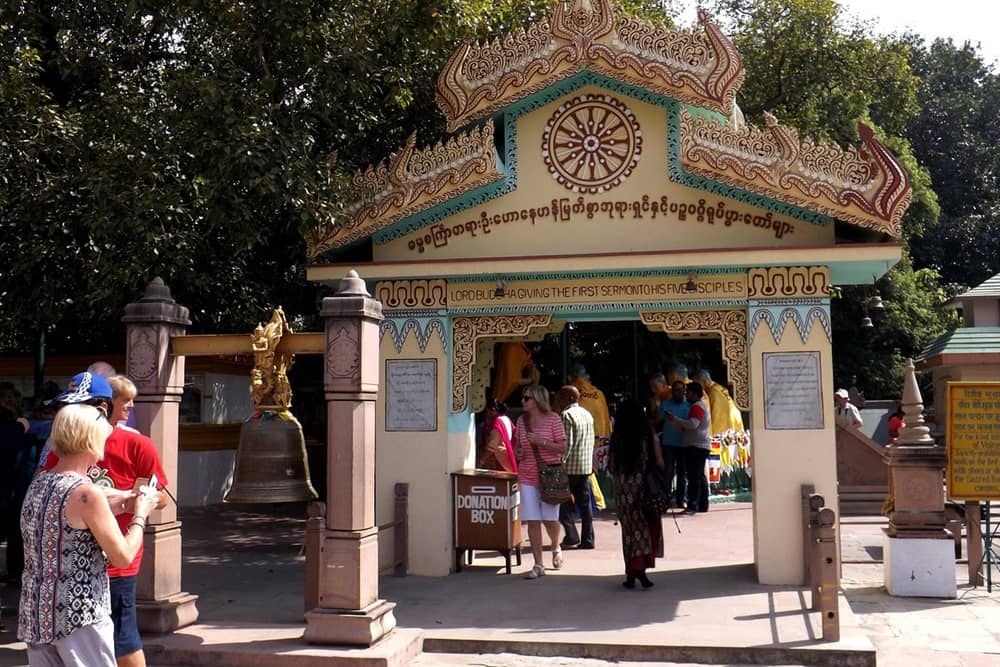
<point>350,611</point>
<point>159,377</point>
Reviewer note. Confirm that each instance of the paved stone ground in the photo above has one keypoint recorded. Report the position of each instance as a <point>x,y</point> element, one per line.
<point>246,565</point>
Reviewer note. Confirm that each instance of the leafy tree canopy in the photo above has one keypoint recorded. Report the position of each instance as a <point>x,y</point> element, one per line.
<point>194,139</point>
<point>956,137</point>
<point>911,319</point>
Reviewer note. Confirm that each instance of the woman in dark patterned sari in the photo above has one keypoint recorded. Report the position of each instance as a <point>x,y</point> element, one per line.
<point>632,448</point>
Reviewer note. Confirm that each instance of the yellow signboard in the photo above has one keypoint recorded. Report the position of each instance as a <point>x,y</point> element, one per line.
<point>973,440</point>
<point>633,289</point>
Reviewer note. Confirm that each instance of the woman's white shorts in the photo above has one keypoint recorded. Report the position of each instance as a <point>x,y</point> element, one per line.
<point>532,507</point>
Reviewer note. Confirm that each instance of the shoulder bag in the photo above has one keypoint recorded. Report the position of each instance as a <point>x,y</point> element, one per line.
<point>553,482</point>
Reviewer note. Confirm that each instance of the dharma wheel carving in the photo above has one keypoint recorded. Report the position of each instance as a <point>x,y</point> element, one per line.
<point>591,143</point>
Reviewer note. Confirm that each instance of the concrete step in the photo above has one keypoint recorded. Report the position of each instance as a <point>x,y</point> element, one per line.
<point>515,660</point>
<point>577,653</point>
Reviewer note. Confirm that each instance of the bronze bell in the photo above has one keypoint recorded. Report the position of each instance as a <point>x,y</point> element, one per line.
<point>271,463</point>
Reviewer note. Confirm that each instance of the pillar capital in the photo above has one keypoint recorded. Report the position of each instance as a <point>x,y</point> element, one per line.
<point>150,322</point>
<point>351,299</point>
<point>352,319</point>
<point>157,306</point>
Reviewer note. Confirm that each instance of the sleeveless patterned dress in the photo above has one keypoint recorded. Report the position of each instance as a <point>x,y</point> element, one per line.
<point>65,582</point>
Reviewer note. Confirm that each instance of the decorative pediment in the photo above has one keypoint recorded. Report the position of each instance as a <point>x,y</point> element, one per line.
<point>412,180</point>
<point>593,45</point>
<point>699,66</point>
<point>865,185</point>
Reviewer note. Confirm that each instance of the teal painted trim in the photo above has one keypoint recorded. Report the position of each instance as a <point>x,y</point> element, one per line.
<point>461,422</point>
<point>509,119</point>
<point>398,327</point>
<point>446,210</point>
<point>776,318</point>
<point>469,199</point>
<point>858,272</point>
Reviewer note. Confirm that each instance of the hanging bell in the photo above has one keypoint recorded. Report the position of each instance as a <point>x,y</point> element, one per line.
<point>875,303</point>
<point>866,323</point>
<point>271,463</point>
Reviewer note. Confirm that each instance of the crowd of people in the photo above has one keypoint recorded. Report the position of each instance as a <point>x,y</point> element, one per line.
<point>78,486</point>
<point>670,439</point>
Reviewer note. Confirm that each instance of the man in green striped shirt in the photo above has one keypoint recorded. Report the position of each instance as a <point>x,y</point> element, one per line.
<point>579,462</point>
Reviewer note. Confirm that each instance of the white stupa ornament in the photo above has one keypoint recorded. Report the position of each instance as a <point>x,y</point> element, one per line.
<point>914,431</point>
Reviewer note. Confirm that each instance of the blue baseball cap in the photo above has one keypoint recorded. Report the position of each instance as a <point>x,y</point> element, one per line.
<point>85,387</point>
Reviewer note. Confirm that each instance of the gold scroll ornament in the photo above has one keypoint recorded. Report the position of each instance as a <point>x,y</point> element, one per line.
<point>269,379</point>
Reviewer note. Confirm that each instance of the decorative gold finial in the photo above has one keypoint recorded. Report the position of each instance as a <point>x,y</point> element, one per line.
<point>914,430</point>
<point>269,378</point>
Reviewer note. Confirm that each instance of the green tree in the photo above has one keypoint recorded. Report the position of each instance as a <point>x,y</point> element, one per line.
<point>195,140</point>
<point>821,73</point>
<point>814,70</point>
<point>956,137</point>
<point>912,317</point>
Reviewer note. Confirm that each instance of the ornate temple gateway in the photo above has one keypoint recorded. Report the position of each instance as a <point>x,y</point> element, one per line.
<point>601,170</point>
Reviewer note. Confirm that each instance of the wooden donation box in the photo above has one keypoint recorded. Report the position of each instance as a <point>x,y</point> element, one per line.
<point>487,514</point>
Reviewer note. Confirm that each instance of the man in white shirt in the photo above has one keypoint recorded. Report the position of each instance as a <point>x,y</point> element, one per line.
<point>846,414</point>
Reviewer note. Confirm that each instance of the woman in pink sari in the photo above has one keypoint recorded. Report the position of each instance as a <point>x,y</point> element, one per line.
<point>498,454</point>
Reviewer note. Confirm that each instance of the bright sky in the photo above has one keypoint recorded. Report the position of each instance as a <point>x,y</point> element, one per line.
<point>972,20</point>
<point>975,21</point>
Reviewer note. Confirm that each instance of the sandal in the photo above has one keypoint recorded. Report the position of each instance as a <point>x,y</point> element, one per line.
<point>557,559</point>
<point>537,570</point>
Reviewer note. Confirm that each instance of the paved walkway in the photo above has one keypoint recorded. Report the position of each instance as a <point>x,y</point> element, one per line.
<point>247,569</point>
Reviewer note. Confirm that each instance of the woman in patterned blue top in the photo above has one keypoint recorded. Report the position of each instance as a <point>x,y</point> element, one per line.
<point>68,526</point>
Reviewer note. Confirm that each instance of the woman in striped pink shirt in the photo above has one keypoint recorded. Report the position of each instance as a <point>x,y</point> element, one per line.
<point>539,435</point>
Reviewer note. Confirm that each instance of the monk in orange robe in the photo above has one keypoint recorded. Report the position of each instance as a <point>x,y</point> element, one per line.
<point>515,369</point>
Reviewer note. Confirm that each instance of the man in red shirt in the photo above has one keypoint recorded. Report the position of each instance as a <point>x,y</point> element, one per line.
<point>129,458</point>
<point>895,424</point>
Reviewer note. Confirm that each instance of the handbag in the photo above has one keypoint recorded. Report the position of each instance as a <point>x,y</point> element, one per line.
<point>553,482</point>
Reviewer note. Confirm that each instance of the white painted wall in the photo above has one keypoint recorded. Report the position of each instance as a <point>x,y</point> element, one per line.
<point>204,477</point>
<point>783,460</point>
<point>424,460</point>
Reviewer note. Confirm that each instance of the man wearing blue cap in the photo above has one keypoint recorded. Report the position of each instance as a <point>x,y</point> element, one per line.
<point>86,388</point>
<point>130,458</point>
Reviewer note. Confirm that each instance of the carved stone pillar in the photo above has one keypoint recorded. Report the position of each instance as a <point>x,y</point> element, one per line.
<point>159,377</point>
<point>350,611</point>
<point>919,553</point>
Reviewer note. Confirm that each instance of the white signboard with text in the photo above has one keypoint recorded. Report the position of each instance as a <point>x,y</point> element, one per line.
<point>411,395</point>
<point>793,391</point>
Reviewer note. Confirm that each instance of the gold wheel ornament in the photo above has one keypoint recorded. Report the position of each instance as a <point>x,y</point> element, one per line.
<point>591,143</point>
